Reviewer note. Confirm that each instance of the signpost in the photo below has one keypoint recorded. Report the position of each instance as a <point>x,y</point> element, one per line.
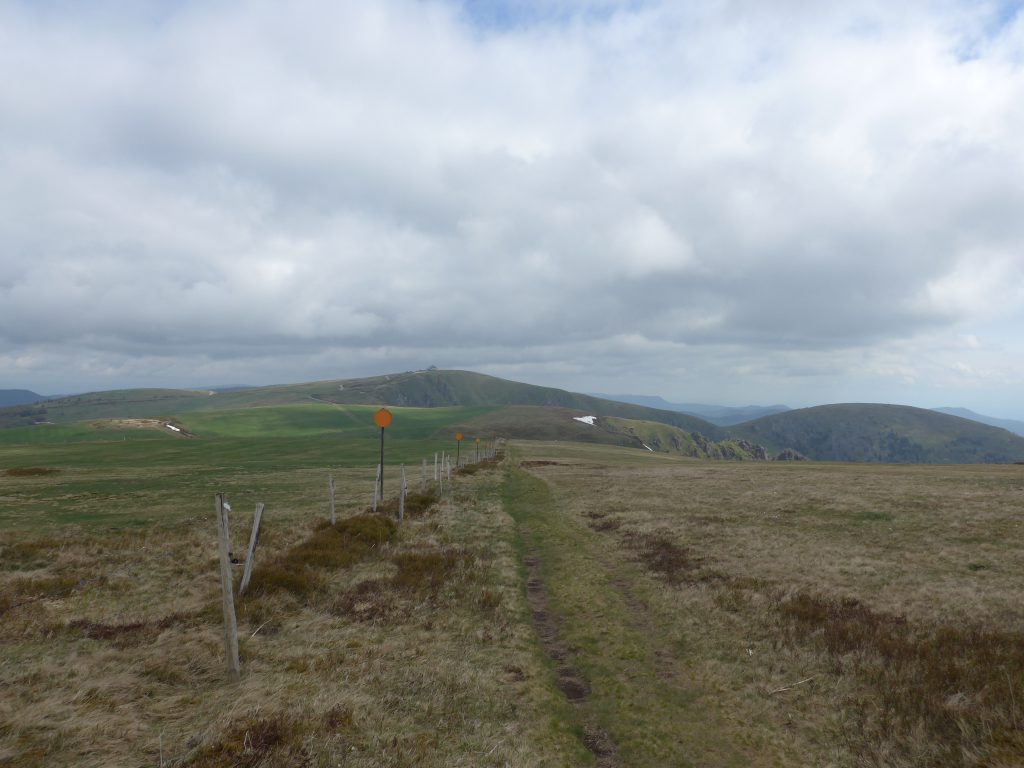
<point>458,444</point>
<point>382,419</point>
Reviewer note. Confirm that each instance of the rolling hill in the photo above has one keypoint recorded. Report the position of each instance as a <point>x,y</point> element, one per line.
<point>414,389</point>
<point>533,422</point>
<point>883,433</point>
<point>486,405</point>
<point>428,389</point>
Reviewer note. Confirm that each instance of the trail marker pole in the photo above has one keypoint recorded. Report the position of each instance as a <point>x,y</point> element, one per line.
<point>458,445</point>
<point>330,488</point>
<point>382,419</point>
<point>227,591</point>
<point>254,539</point>
<point>376,488</point>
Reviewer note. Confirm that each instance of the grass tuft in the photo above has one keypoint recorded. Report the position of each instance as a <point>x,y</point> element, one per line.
<point>427,571</point>
<point>672,562</point>
<point>368,601</point>
<point>252,742</point>
<point>340,718</point>
<point>417,504</point>
<point>28,555</point>
<point>31,471</point>
<point>128,634</point>
<point>24,590</point>
<point>333,546</point>
<point>371,529</point>
<point>282,576</point>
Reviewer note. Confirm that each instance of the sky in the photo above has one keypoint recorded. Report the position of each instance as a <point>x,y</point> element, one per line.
<point>722,201</point>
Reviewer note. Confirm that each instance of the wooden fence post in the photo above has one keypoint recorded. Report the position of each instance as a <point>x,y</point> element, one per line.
<point>254,538</point>
<point>227,591</point>
<point>330,488</point>
<point>401,497</point>
<point>376,489</point>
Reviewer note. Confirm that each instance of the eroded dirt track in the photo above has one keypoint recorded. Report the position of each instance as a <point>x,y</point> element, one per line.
<point>568,678</point>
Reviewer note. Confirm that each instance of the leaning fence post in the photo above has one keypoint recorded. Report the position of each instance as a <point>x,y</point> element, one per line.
<point>401,497</point>
<point>254,538</point>
<point>330,488</point>
<point>227,591</point>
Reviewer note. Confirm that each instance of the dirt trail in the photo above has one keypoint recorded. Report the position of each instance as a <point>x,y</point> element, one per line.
<point>569,679</point>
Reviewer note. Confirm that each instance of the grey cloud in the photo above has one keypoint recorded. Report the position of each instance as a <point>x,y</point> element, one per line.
<point>648,187</point>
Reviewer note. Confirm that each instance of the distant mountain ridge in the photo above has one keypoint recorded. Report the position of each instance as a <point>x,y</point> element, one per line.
<point>1017,427</point>
<point>9,397</point>
<point>721,415</point>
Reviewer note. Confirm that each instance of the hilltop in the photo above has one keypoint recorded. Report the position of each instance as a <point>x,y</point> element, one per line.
<point>883,433</point>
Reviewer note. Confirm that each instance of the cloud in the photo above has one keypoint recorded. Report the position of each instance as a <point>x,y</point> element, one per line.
<point>331,188</point>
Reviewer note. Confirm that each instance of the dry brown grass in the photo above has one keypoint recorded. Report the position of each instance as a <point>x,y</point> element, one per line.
<point>398,655</point>
<point>851,615</point>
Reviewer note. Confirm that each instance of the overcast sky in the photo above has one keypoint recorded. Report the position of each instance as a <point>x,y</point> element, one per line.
<point>725,201</point>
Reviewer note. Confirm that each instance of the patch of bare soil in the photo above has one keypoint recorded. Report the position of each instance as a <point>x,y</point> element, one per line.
<point>170,427</point>
<point>569,679</point>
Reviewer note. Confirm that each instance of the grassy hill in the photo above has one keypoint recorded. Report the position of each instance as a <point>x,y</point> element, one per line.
<point>429,389</point>
<point>480,405</point>
<point>883,433</point>
<point>414,389</point>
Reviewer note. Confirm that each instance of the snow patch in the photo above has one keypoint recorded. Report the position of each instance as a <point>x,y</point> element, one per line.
<point>645,445</point>
<point>171,426</point>
<point>585,419</point>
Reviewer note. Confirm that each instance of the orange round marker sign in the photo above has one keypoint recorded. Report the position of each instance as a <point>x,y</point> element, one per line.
<point>458,436</point>
<point>382,418</point>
